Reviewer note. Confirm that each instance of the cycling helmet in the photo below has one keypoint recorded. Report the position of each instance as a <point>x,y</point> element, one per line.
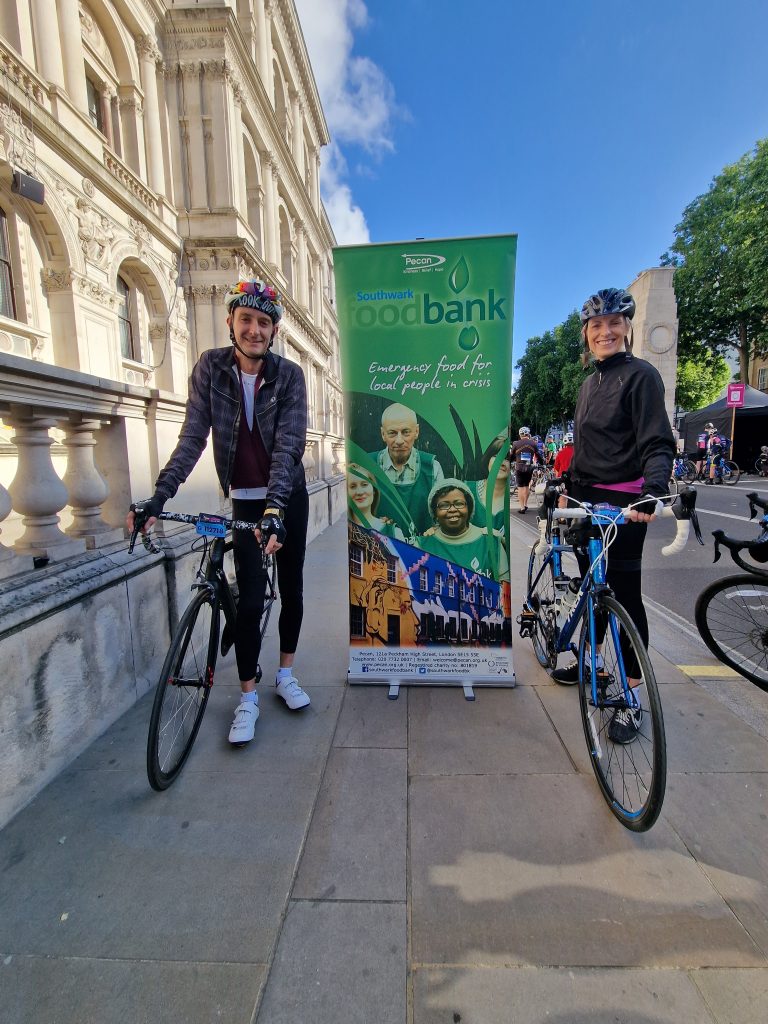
<point>709,426</point>
<point>568,437</point>
<point>607,301</point>
<point>255,294</point>
<point>524,431</point>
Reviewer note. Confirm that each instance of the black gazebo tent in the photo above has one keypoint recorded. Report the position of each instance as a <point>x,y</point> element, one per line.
<point>751,429</point>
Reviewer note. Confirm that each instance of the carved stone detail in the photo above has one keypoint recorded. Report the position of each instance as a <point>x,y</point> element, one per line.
<point>16,141</point>
<point>88,187</point>
<point>57,280</point>
<point>146,47</point>
<point>13,70</point>
<point>95,233</point>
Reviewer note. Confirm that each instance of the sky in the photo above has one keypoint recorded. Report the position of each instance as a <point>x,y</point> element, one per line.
<point>585,126</point>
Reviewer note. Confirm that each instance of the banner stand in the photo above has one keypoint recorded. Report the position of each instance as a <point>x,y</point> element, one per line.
<point>487,682</point>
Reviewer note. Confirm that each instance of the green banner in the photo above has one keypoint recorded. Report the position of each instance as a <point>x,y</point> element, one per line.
<point>426,348</point>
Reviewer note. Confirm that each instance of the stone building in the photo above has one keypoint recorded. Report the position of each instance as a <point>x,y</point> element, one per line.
<point>655,326</point>
<point>178,147</point>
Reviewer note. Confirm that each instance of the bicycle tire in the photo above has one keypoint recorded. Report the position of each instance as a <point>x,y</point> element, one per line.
<point>632,776</point>
<point>179,707</point>
<point>761,466</point>
<point>690,472</point>
<point>731,473</point>
<point>732,618</point>
<point>542,603</point>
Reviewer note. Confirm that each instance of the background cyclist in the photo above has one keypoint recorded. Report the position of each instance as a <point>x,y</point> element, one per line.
<point>526,456</point>
<point>564,456</point>
<point>717,445</point>
<point>625,451</point>
<point>701,447</point>
<point>248,394</point>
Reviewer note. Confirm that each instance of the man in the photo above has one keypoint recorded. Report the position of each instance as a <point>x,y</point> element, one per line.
<point>550,450</point>
<point>255,404</point>
<point>526,455</point>
<point>564,456</point>
<point>701,447</point>
<point>412,472</point>
<point>717,445</point>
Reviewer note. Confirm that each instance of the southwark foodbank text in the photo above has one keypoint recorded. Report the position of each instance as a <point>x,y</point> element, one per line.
<point>377,308</point>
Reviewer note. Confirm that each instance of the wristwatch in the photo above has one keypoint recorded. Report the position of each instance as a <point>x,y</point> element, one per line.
<point>274,512</point>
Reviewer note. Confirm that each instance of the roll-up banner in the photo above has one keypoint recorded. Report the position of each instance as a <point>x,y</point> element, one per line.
<point>426,348</point>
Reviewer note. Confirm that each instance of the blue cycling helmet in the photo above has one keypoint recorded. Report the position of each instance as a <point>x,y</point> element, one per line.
<point>606,302</point>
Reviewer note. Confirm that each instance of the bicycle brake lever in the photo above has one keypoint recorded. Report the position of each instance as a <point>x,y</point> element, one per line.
<point>697,527</point>
<point>146,540</point>
<point>717,545</point>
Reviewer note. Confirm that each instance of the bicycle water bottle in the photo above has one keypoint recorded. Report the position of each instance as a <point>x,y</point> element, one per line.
<point>567,594</point>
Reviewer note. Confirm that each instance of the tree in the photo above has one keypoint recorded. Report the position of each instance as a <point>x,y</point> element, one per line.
<point>721,255</point>
<point>550,376</point>
<point>700,379</point>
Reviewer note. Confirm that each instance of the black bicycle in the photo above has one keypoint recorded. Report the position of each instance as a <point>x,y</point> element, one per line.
<point>732,612</point>
<point>187,674</point>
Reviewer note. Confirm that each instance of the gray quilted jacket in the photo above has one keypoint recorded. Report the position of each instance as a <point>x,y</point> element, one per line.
<point>214,405</point>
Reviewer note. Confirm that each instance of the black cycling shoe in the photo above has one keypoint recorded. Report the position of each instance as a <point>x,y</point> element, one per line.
<point>567,676</point>
<point>625,725</point>
<point>708,481</point>
<point>522,511</point>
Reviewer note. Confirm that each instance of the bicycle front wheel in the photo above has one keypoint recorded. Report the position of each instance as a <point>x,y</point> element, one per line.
<point>732,617</point>
<point>689,472</point>
<point>182,691</point>
<point>731,473</point>
<point>541,600</point>
<point>630,764</point>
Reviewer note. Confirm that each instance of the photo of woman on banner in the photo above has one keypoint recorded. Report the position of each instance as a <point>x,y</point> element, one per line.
<point>363,499</point>
<point>491,493</point>
<point>411,472</point>
<point>456,538</point>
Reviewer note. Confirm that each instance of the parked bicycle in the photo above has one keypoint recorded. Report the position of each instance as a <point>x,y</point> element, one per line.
<point>187,674</point>
<point>631,776</point>
<point>683,472</point>
<point>732,612</point>
<point>761,462</point>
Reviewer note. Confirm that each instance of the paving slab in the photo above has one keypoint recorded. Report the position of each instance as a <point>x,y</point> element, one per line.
<point>556,995</point>
<point>43,990</point>
<point>533,869</point>
<point>736,996</point>
<point>369,719</point>
<point>101,866</point>
<point>339,962</point>
<point>356,847</point>
<point>723,820</point>
<point>502,731</point>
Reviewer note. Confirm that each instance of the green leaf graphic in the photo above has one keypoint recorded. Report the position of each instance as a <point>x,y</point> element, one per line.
<point>469,339</point>
<point>459,276</point>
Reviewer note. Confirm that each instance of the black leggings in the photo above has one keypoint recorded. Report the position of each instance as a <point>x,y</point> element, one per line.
<point>252,580</point>
<point>624,575</point>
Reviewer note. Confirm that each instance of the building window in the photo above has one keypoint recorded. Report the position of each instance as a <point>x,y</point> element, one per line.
<point>391,569</point>
<point>128,346</point>
<point>356,621</point>
<point>355,560</point>
<point>762,379</point>
<point>423,579</point>
<point>472,594</point>
<point>481,596</point>
<point>451,587</point>
<point>7,301</point>
<point>94,105</point>
<point>438,587</point>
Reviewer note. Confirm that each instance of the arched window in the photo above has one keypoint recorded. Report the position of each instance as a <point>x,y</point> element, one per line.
<point>7,300</point>
<point>128,346</point>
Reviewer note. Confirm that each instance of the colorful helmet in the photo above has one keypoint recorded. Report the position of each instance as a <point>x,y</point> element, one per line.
<point>607,301</point>
<point>524,432</point>
<point>255,294</point>
<point>568,437</point>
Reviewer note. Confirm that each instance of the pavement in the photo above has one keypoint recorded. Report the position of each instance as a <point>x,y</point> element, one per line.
<point>420,861</point>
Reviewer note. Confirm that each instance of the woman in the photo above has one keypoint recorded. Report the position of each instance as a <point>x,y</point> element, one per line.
<point>455,536</point>
<point>500,484</point>
<point>363,499</point>
<point>623,452</point>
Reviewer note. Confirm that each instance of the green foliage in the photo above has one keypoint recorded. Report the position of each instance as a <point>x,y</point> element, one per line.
<point>550,377</point>
<point>700,379</point>
<point>721,255</point>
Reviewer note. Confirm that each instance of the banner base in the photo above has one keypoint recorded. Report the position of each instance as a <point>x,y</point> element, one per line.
<point>487,682</point>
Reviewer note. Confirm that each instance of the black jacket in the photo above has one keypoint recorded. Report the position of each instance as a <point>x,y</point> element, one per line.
<point>214,406</point>
<point>621,430</point>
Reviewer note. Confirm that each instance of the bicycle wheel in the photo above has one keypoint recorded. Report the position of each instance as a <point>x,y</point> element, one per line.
<point>689,472</point>
<point>632,775</point>
<point>672,486</point>
<point>182,691</point>
<point>732,617</point>
<point>761,466</point>
<point>542,602</point>
<point>731,472</point>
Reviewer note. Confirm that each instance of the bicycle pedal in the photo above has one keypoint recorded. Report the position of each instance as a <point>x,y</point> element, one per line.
<point>527,622</point>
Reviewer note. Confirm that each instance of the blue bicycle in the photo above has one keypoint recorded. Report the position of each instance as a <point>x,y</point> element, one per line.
<point>619,699</point>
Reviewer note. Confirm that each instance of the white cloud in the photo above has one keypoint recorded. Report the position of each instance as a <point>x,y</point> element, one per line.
<point>358,100</point>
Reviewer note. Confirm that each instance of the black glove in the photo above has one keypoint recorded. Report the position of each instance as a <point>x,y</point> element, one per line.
<point>150,508</point>
<point>272,525</point>
<point>649,505</point>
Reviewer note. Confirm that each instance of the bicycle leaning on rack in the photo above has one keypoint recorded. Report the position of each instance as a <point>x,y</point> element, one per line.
<point>732,612</point>
<point>187,674</point>
<point>631,775</point>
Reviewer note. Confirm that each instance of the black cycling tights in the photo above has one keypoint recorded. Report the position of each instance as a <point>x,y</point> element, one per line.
<point>252,581</point>
<point>624,575</point>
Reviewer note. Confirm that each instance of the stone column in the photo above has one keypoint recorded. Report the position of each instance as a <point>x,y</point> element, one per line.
<point>301,287</point>
<point>71,50</point>
<point>192,142</point>
<point>36,490</point>
<point>271,227</point>
<point>6,554</point>
<point>48,45</point>
<point>106,97</point>
<point>262,52</point>
<point>297,137</point>
<point>149,56</point>
<point>86,487</point>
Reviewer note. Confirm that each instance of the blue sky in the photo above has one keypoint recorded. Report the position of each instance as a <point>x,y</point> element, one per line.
<point>585,126</point>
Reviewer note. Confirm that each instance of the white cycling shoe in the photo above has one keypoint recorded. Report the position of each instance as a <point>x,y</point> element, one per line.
<point>292,693</point>
<point>244,723</point>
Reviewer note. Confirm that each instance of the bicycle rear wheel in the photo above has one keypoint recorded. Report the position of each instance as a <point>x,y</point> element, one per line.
<point>182,691</point>
<point>732,617</point>
<point>632,775</point>
<point>731,472</point>
<point>541,601</point>
<point>689,472</point>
